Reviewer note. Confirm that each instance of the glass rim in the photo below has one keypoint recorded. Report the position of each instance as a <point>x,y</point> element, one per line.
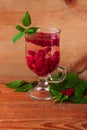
<point>48,30</point>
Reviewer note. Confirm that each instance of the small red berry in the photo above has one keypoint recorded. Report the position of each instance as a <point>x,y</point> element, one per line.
<point>63,92</point>
<point>70,91</point>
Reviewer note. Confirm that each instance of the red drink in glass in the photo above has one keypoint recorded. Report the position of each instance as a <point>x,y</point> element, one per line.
<point>42,57</point>
<point>42,52</point>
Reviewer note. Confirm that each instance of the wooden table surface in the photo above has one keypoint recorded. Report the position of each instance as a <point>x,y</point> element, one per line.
<point>20,112</point>
<point>17,110</point>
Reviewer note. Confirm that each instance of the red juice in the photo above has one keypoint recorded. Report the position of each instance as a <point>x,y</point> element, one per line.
<point>42,52</point>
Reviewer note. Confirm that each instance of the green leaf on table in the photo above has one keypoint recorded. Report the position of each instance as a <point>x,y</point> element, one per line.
<point>83,101</point>
<point>57,86</point>
<point>64,98</point>
<point>24,88</point>
<point>15,84</point>
<point>55,93</point>
<point>71,80</point>
<point>72,77</point>
<point>31,30</point>
<point>83,83</point>
<point>17,36</point>
<point>26,20</point>
<point>20,28</point>
<point>79,92</point>
<point>58,97</point>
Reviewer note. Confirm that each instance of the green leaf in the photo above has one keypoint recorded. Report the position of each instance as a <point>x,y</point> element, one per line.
<point>78,92</point>
<point>26,20</point>
<point>72,80</point>
<point>83,101</point>
<point>58,98</point>
<point>17,36</point>
<point>83,83</point>
<point>57,86</point>
<point>24,88</point>
<point>64,98</point>
<point>72,76</point>
<point>15,84</point>
<point>31,30</point>
<point>55,93</point>
<point>20,28</point>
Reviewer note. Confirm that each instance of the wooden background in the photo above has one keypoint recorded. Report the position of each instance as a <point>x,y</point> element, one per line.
<point>68,15</point>
<point>17,110</point>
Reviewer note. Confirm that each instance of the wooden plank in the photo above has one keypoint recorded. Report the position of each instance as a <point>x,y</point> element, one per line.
<point>42,115</point>
<point>70,16</point>
<point>17,110</point>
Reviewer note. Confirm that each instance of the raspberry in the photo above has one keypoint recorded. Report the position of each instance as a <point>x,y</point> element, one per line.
<point>63,92</point>
<point>68,92</point>
<point>44,60</point>
<point>41,53</point>
<point>31,52</point>
<point>47,49</point>
<point>44,39</point>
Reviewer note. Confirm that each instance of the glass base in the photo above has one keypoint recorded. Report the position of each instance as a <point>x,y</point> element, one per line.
<point>40,93</point>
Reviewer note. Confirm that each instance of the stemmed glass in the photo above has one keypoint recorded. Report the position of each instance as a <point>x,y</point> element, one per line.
<point>42,57</point>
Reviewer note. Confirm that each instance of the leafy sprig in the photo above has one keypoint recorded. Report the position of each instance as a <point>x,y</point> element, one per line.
<point>72,89</point>
<point>20,85</point>
<point>73,82</point>
<point>26,22</point>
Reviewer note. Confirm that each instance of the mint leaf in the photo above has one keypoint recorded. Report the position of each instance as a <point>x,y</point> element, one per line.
<point>20,86</point>
<point>72,80</point>
<point>17,36</point>
<point>78,92</point>
<point>83,83</point>
<point>55,93</point>
<point>83,101</point>
<point>58,97</point>
<point>26,20</point>
<point>24,88</point>
<point>57,86</point>
<point>15,84</point>
<point>31,30</point>
<point>64,98</point>
<point>19,28</point>
<point>72,77</point>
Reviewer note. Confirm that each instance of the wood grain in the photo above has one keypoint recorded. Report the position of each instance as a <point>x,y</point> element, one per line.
<point>71,19</point>
<point>80,66</point>
<point>78,8</point>
<point>17,110</point>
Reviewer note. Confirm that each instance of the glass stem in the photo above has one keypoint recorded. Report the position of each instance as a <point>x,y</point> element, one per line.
<point>43,83</point>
